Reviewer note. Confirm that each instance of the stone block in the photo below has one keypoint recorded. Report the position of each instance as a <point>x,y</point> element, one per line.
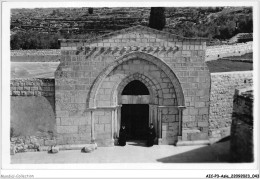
<point>30,93</point>
<point>173,111</point>
<point>53,150</point>
<point>173,126</point>
<point>26,88</point>
<point>108,128</point>
<point>164,111</point>
<point>168,102</point>
<point>104,119</point>
<point>199,136</point>
<point>168,118</point>
<point>102,135</point>
<point>16,93</point>
<point>99,127</point>
<point>164,126</point>
<point>164,134</point>
<point>203,124</point>
<point>35,88</point>
<point>50,142</point>
<point>99,113</point>
<point>167,95</point>
<point>200,104</point>
<point>62,114</point>
<point>204,129</point>
<point>23,93</point>
<point>191,124</point>
<point>193,111</point>
<point>89,148</point>
<point>203,111</point>
<point>75,121</point>
<point>67,129</point>
<point>84,129</point>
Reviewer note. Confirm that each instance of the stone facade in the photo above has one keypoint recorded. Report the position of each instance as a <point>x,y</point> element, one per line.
<point>92,74</point>
<point>241,143</point>
<point>222,94</point>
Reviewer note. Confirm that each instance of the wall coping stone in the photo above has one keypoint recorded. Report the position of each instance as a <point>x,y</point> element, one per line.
<point>36,52</point>
<point>232,72</point>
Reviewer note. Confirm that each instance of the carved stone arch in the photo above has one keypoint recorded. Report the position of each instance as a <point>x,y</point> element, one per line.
<point>152,85</point>
<point>144,56</point>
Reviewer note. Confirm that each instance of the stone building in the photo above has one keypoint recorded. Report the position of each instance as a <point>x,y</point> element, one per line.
<point>134,76</point>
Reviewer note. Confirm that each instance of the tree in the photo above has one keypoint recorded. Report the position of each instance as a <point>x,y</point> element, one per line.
<point>15,42</point>
<point>90,10</point>
<point>157,18</point>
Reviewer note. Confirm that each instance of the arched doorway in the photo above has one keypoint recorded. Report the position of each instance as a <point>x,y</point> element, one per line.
<point>135,116</point>
<point>164,101</point>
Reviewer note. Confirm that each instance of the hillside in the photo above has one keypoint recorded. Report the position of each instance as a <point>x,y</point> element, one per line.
<point>40,28</point>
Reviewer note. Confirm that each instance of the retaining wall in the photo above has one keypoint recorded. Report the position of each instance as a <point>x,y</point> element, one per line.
<point>32,113</point>
<point>223,87</point>
<point>44,55</point>
<point>220,51</point>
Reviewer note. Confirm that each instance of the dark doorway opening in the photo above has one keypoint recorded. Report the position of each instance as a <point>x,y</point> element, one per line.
<point>135,87</point>
<point>136,119</point>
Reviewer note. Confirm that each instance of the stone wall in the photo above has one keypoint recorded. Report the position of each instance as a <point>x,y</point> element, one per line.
<point>216,52</point>
<point>223,87</point>
<point>44,55</point>
<point>32,87</point>
<point>32,114</point>
<point>241,143</point>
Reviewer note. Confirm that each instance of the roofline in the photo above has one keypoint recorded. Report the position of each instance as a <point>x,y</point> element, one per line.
<point>91,40</point>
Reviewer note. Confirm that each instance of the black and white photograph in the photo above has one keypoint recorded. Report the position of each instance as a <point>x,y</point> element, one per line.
<point>155,88</point>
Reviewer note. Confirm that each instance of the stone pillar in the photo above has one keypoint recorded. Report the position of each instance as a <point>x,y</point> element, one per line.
<point>92,127</point>
<point>159,120</point>
<point>115,124</point>
<point>112,124</point>
<point>118,120</point>
<point>155,120</point>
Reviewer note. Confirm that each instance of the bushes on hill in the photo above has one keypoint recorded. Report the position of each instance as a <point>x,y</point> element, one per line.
<point>34,40</point>
<point>219,23</point>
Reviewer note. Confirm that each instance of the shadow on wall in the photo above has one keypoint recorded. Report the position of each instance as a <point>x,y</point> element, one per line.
<point>241,143</point>
<point>32,116</point>
<point>218,152</point>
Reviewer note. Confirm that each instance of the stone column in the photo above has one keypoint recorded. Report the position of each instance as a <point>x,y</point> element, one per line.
<point>92,127</point>
<point>115,124</point>
<point>112,124</point>
<point>155,120</point>
<point>118,120</point>
<point>160,126</point>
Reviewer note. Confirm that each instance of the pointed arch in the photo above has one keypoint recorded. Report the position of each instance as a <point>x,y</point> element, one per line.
<point>150,58</point>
